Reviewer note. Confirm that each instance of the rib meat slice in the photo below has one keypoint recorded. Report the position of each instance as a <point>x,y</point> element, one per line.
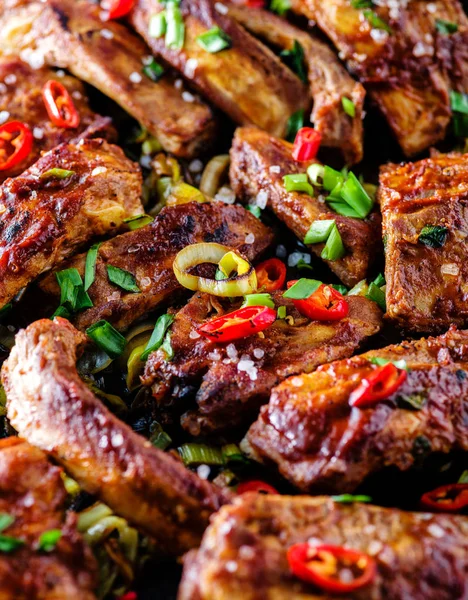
<point>32,491</point>
<point>46,219</point>
<point>148,253</point>
<point>227,389</point>
<point>246,81</point>
<point>258,164</point>
<point>70,34</point>
<point>243,553</point>
<point>337,446</point>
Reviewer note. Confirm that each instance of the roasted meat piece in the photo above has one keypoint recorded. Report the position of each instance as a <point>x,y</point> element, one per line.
<point>53,409</point>
<point>337,446</point>
<point>21,99</point>
<point>148,253</point>
<point>328,79</point>
<point>246,81</point>
<point>393,49</point>
<point>46,218</point>
<point>70,34</point>
<point>258,164</point>
<point>32,493</point>
<point>243,553</point>
<point>425,223</point>
<point>229,382</point>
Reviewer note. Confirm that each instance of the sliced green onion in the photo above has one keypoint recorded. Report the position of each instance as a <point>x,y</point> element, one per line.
<point>200,454</point>
<point>433,236</point>
<point>49,539</point>
<point>463,477</point>
<point>332,180</point>
<point>233,454</point>
<point>446,27</point>
<point>379,281</point>
<point>295,58</point>
<point>72,293</point>
<point>107,338</point>
<point>343,209</point>
<point>340,288</point>
<point>416,401</point>
<point>153,71</point>
<point>62,312</point>
<point>303,265</point>
<point>166,346</point>
<point>375,21</point>
<point>297,182</point>
<point>334,248</point>
<point>360,289</point>
<point>460,125</point>
<point>5,521</point>
<point>295,122</point>
<point>159,438</point>
<point>356,196</point>
<point>302,289</point>
<point>459,102</point>
<point>281,312</point>
<point>258,300</point>
<point>214,40</point>
<point>335,193</point>
<point>350,498</point>
<point>255,210</point>
<point>9,544</point>
<point>362,3</point>
<point>57,174</point>
<point>123,279</point>
<point>138,221</point>
<point>315,173</point>
<point>90,267</point>
<point>157,337</point>
<point>151,146</point>
<point>158,25</point>
<point>175,28</point>
<point>381,362</point>
<point>348,106</point>
<point>319,231</point>
<point>5,310</point>
<point>377,295</point>
<point>280,7</point>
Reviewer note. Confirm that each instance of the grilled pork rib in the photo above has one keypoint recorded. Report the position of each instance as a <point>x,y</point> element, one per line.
<point>148,254</point>
<point>32,491</point>
<point>243,553</point>
<point>247,81</point>
<point>46,219</point>
<point>253,154</point>
<point>53,409</point>
<point>209,373</point>
<point>70,34</point>
<point>336,446</point>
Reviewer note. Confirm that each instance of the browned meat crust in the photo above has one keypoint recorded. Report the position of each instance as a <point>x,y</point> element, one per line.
<point>328,79</point>
<point>253,153</point>
<point>31,490</point>
<point>426,286</point>
<point>22,101</point>
<point>68,34</point>
<point>247,81</point>
<point>52,408</point>
<point>402,71</point>
<point>148,254</point>
<point>210,374</point>
<point>243,553</point>
<point>314,411</point>
<point>46,220</point>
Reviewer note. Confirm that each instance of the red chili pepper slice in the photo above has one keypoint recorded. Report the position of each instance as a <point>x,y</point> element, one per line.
<point>380,384</point>
<point>129,596</point>
<point>16,142</point>
<point>59,105</point>
<point>256,486</point>
<point>238,324</point>
<point>271,275</point>
<point>323,565</point>
<point>119,8</point>
<point>251,3</point>
<point>306,144</point>
<point>325,304</point>
<point>447,498</point>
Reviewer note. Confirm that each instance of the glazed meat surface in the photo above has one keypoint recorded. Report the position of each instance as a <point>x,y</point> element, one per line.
<point>70,34</point>
<point>32,491</point>
<point>403,70</point>
<point>253,153</point>
<point>146,486</point>
<point>22,100</point>
<point>426,269</point>
<point>243,553</point>
<point>213,375</point>
<point>148,253</point>
<point>320,443</point>
<point>328,79</point>
<point>46,219</point>
<point>247,81</point>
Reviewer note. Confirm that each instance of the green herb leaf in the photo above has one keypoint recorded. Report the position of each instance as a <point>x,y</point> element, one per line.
<point>446,27</point>
<point>57,174</point>
<point>90,267</point>
<point>295,122</point>
<point>375,21</point>
<point>107,338</point>
<point>280,7</point>
<point>350,498</point>
<point>122,279</point>
<point>214,40</point>
<point>72,293</point>
<point>9,544</point>
<point>295,58</point>
<point>297,182</point>
<point>157,337</point>
<point>167,347</point>
<point>5,521</point>
<point>302,289</point>
<point>158,25</point>
<point>348,106</point>
<point>138,221</point>
<point>153,71</point>
<point>303,265</point>
<point>459,102</point>
<point>319,231</point>
<point>433,236</point>
<point>49,539</point>
<point>258,300</point>
<point>377,295</point>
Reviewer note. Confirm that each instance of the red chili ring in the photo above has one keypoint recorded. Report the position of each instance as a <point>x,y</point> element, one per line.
<point>256,486</point>
<point>271,275</point>
<point>16,142</point>
<point>238,324</point>
<point>59,105</point>
<point>447,498</point>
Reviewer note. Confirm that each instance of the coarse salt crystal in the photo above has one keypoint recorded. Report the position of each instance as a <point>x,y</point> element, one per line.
<point>107,34</point>
<point>297,382</point>
<point>60,73</point>
<point>4,116</point>
<point>449,269</point>
<point>190,67</point>
<point>103,442</point>
<point>421,49</point>
<point>196,166</point>
<point>194,335</point>
<point>225,195</point>
<point>188,97</point>
<point>145,161</point>
<point>261,199</point>
<point>379,35</point>
<point>231,566</point>
<point>215,355</point>
<point>98,171</point>
<point>275,169</point>
<point>117,439</point>
<point>295,257</point>
<point>374,547</point>
<point>3,88</point>
<point>431,7</point>
<point>203,471</point>
<point>281,251</point>
<point>77,95</point>
<point>10,79</point>
<point>231,351</point>
<point>221,8</point>
<point>147,60</point>
<point>145,282</point>
<point>250,238</point>
<point>259,353</point>
<point>178,83</point>
<point>135,77</point>
<point>435,530</point>
<point>38,133</point>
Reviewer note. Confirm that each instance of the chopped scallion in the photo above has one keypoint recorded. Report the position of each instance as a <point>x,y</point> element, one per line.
<point>157,337</point>
<point>343,209</point>
<point>381,362</point>
<point>362,3</point>
<point>158,25</point>
<point>340,288</point>
<point>350,498</point>
<point>433,236</point>
<point>348,106</point>
<point>302,289</point>
<point>62,312</point>
<point>319,231</point>
<point>303,265</point>
<point>255,210</point>
<point>379,280</point>
<point>375,21</point>
<point>107,338</point>
<point>295,58</point>
<point>138,221</point>
<point>297,182</point>
<point>334,248</point>
<point>233,454</point>
<point>280,7</point>
<point>57,174</point>
<point>122,279</point>
<point>377,295</point>
<point>356,196</point>
<point>5,521</point>
<point>446,27</point>
<point>175,28</point>
<point>166,346</point>
<point>281,312</point>
<point>49,539</point>
<point>332,180</point>
<point>153,71</point>
<point>258,300</point>
<point>90,267</point>
<point>214,40</point>
<point>295,122</point>
<point>200,454</point>
<point>463,477</point>
<point>158,437</point>
<point>315,173</point>
<point>9,544</point>
<point>459,102</point>
<point>415,401</point>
